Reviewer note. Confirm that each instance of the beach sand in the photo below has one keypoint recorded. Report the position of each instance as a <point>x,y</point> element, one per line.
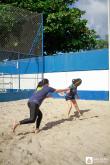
<point>62,140</point>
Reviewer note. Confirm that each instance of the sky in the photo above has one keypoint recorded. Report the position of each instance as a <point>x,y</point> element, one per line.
<point>96,14</point>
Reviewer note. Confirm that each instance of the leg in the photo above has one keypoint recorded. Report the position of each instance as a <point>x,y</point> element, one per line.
<point>33,114</point>
<point>15,125</point>
<point>38,120</point>
<point>70,106</point>
<point>76,106</point>
<point>32,118</point>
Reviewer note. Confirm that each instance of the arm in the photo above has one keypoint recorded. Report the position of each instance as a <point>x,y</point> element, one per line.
<point>61,90</point>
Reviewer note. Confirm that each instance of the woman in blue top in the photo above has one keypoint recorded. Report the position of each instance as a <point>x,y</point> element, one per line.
<point>34,103</point>
<point>72,94</point>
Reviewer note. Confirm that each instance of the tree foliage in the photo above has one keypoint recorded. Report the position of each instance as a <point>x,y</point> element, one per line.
<point>64,28</point>
<point>10,23</point>
<point>102,43</point>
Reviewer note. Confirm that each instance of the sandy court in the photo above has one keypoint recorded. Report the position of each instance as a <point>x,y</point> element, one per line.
<point>63,140</point>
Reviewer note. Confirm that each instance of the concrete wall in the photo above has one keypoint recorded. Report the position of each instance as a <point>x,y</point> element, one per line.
<point>91,66</point>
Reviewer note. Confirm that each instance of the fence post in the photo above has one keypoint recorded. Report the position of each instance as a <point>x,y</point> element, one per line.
<point>18,68</point>
<point>109,44</point>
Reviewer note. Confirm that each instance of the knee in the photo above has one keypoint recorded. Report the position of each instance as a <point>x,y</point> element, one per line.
<point>32,120</point>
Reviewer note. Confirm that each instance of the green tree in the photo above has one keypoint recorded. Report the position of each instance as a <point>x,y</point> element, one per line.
<point>102,43</point>
<point>9,23</point>
<point>64,29</point>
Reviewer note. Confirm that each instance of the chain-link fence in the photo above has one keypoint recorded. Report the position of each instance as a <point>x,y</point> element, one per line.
<point>19,71</point>
<point>21,37</point>
<point>20,31</point>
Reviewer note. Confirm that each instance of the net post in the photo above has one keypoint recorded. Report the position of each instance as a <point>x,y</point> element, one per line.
<point>109,49</point>
<point>42,48</point>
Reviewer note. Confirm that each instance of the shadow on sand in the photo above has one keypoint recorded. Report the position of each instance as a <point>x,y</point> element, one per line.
<point>49,125</point>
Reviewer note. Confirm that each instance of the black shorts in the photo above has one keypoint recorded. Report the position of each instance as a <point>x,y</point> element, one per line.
<point>69,97</point>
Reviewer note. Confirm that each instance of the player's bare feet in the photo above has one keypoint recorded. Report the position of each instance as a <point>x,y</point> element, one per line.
<point>15,125</point>
<point>79,113</point>
<point>37,131</point>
